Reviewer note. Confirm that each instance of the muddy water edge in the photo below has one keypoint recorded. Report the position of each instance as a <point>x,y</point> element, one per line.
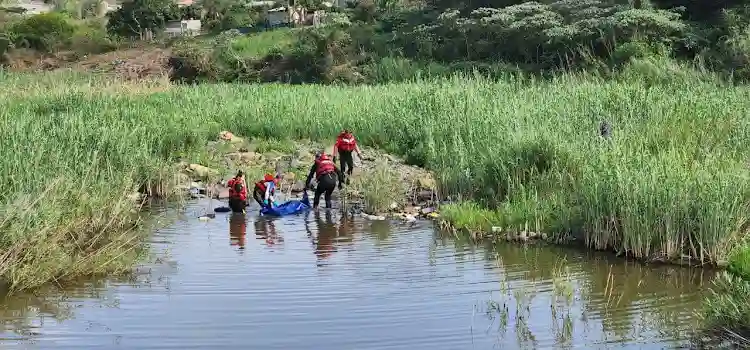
<point>327,280</point>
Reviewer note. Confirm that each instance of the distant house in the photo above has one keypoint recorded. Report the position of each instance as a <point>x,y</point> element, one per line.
<point>277,16</point>
<point>183,28</point>
<point>336,3</point>
<point>286,16</point>
<point>34,7</point>
<point>261,3</point>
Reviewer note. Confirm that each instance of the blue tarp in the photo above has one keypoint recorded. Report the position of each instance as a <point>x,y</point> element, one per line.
<point>290,207</point>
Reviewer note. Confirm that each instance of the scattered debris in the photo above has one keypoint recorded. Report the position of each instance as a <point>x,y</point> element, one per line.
<point>373,217</point>
<point>201,171</point>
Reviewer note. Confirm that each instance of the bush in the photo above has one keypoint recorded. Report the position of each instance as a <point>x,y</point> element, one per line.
<point>559,34</point>
<point>236,17</point>
<point>135,17</point>
<point>320,55</point>
<point>43,32</point>
<point>191,62</point>
<point>5,46</point>
<point>91,39</point>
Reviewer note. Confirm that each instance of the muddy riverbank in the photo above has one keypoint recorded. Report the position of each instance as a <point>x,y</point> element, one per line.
<point>382,185</point>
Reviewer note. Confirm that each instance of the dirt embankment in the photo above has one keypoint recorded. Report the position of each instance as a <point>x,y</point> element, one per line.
<point>137,63</point>
<point>381,186</point>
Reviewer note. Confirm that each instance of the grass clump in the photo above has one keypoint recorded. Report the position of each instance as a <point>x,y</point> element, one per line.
<point>470,217</point>
<point>380,188</point>
<point>727,310</point>
<point>739,263</point>
<point>264,43</point>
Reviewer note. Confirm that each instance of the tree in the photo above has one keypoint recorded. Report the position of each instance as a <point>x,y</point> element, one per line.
<point>700,10</point>
<point>135,17</point>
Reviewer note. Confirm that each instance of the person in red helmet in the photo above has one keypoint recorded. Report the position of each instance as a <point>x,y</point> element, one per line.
<point>345,144</point>
<point>324,169</point>
<point>265,190</point>
<point>237,193</point>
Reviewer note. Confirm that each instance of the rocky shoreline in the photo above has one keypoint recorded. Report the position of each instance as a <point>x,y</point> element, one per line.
<point>413,190</point>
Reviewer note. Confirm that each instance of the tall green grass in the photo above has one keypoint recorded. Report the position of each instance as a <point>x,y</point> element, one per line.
<point>261,44</point>
<point>726,311</point>
<point>671,182</point>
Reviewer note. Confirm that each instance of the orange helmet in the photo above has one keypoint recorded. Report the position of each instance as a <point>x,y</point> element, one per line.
<point>268,178</point>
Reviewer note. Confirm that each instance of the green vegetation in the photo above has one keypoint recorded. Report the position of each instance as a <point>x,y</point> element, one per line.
<point>670,183</point>
<point>68,175</point>
<point>136,17</point>
<point>387,41</point>
<point>380,188</point>
<point>377,43</point>
<point>727,310</point>
<point>54,32</point>
<point>519,152</point>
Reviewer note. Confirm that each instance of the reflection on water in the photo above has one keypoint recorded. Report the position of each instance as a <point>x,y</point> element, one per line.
<point>324,280</point>
<point>265,229</point>
<point>237,230</point>
<point>329,234</point>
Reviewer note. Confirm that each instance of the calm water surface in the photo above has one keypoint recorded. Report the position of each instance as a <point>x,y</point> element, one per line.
<point>320,281</point>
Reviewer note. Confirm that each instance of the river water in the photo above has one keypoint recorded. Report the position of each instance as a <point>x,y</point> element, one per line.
<point>322,281</point>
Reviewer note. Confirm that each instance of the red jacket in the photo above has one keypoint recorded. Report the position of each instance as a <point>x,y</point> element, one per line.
<point>346,142</point>
<point>242,194</point>
<point>261,185</point>
<point>324,165</point>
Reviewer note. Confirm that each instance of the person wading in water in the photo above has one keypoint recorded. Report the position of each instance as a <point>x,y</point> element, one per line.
<point>265,190</point>
<point>324,169</point>
<point>237,193</point>
<point>345,144</point>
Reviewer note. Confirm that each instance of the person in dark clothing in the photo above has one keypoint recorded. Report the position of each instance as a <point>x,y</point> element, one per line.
<point>324,169</point>
<point>345,144</point>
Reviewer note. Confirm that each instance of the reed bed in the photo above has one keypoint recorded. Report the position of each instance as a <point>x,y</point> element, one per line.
<point>671,182</point>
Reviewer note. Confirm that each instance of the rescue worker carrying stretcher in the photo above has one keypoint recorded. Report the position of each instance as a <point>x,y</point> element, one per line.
<point>324,169</point>
<point>345,144</point>
<point>265,190</point>
<point>237,193</point>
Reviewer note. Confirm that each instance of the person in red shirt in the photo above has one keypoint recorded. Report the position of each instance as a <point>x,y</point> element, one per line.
<point>237,193</point>
<point>345,144</point>
<point>324,169</point>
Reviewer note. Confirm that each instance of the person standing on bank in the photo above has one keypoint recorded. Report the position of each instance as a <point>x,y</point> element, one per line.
<point>324,169</point>
<point>345,144</point>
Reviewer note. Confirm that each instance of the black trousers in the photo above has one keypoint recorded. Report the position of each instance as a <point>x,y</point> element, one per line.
<point>346,161</point>
<point>237,205</point>
<point>326,184</point>
<point>258,196</point>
